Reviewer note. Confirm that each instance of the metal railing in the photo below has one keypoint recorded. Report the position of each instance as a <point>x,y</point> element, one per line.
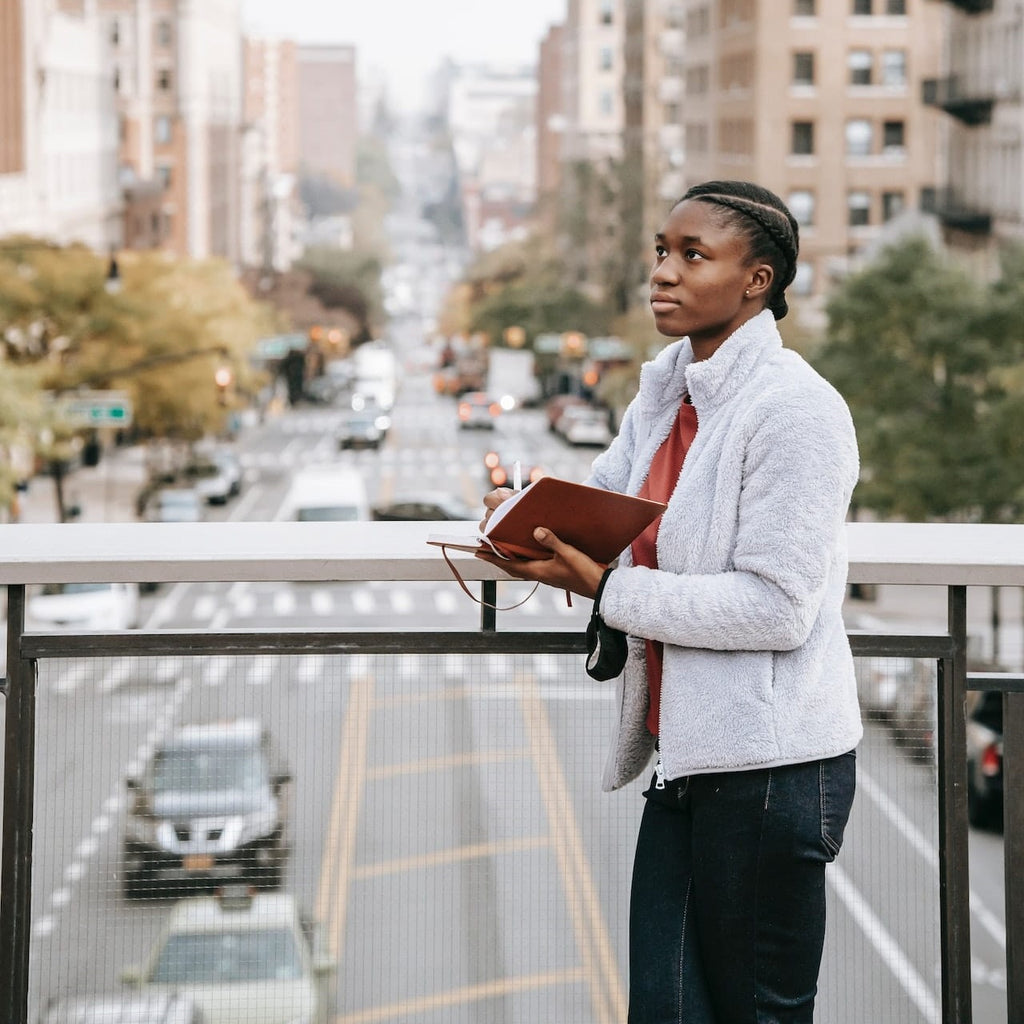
<point>954,557</point>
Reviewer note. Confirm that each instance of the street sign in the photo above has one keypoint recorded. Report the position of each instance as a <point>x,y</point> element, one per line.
<point>97,409</point>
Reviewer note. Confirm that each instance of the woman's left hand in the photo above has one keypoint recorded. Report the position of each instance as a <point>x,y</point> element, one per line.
<point>567,569</point>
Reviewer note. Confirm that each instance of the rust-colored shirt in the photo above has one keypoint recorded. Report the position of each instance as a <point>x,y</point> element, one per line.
<point>659,485</point>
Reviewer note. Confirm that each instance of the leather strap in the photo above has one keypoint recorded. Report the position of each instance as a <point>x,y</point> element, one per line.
<point>469,593</point>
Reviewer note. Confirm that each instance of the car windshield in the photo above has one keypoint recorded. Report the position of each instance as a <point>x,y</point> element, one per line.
<point>208,771</point>
<point>177,498</point>
<point>53,589</point>
<point>214,958</point>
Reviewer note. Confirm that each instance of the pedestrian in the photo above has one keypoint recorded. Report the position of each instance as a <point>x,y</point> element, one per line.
<point>737,674</point>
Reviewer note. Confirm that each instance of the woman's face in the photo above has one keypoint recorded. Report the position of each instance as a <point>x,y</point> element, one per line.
<point>702,283</point>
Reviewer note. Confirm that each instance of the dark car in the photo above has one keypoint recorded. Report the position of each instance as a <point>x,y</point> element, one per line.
<point>985,759</point>
<point>419,507</point>
<point>212,804</point>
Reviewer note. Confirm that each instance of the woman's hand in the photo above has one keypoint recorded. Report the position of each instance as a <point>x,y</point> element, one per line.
<point>567,569</point>
<point>492,500</point>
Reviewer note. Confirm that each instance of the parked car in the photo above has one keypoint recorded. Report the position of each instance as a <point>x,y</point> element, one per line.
<point>135,1008</point>
<point>241,957</point>
<point>82,606</point>
<point>883,682</point>
<point>173,505</point>
<point>499,464</point>
<point>426,506</point>
<point>212,803</point>
<point>361,430</point>
<point>216,478</point>
<point>333,493</point>
<point>985,759</point>
<point>477,410</point>
<point>585,425</point>
<point>557,405</point>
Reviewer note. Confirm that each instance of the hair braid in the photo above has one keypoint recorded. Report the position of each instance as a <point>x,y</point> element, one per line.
<point>771,230</point>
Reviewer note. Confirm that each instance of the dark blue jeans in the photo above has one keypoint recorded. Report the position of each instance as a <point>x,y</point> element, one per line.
<point>727,912</point>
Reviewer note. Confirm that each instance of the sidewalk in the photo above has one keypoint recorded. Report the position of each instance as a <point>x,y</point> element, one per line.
<point>104,493</point>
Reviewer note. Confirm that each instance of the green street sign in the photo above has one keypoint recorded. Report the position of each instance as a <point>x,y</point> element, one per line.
<point>97,409</point>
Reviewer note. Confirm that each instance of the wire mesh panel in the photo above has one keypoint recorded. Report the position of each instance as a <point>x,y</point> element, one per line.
<point>407,838</point>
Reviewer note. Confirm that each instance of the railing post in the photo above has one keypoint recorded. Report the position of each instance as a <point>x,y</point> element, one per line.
<point>954,881</point>
<point>19,782</point>
<point>1013,850</point>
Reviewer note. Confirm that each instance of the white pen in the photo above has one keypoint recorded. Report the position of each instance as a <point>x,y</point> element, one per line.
<point>517,476</point>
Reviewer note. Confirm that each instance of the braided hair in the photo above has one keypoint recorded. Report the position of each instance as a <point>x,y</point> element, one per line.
<point>761,217</point>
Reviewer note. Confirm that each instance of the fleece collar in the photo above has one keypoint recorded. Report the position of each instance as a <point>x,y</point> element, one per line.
<point>712,382</point>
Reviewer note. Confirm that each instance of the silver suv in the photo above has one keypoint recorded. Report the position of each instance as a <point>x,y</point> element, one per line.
<point>212,804</point>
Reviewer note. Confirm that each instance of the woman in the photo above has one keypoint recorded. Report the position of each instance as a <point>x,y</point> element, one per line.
<point>739,671</point>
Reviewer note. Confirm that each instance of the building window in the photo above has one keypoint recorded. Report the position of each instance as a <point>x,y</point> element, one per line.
<point>163,175</point>
<point>801,205</point>
<point>894,68</point>
<point>804,8</point>
<point>607,102</point>
<point>607,14</point>
<point>861,7</point>
<point>893,138</point>
<point>892,205</point>
<point>858,206</point>
<point>606,58</point>
<point>802,143</point>
<point>163,80</point>
<point>858,137</point>
<point>803,69</point>
<point>117,79</point>
<point>896,7</point>
<point>162,130</point>
<point>115,32</point>
<point>859,64</point>
<point>163,34</point>
<point>803,280</point>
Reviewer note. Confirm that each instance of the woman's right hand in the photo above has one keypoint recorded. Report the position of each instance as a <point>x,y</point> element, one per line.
<point>492,500</point>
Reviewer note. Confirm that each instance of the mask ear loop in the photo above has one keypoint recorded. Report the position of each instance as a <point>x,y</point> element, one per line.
<point>469,593</point>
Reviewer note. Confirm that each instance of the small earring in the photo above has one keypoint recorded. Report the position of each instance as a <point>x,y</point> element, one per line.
<point>747,293</point>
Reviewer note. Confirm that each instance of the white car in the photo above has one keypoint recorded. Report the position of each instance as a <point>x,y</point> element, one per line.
<point>81,606</point>
<point>240,957</point>
<point>585,425</point>
<point>217,477</point>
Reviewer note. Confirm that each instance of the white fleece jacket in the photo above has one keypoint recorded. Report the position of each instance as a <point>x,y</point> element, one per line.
<point>752,562</point>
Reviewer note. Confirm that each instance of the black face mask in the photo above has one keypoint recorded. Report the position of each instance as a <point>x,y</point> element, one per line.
<point>606,647</point>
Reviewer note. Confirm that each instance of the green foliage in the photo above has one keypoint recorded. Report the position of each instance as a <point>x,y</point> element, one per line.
<point>539,307</point>
<point>924,355</point>
<point>348,280</point>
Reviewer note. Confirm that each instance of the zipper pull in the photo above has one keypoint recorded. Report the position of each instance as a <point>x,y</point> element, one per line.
<point>659,772</point>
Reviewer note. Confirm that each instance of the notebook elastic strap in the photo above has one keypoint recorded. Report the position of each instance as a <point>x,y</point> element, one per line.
<point>469,593</point>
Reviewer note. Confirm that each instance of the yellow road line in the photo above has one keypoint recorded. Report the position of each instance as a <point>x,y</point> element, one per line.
<point>444,763</point>
<point>402,1011</point>
<point>339,849</point>
<point>599,963</point>
<point>458,691</point>
<point>453,855</point>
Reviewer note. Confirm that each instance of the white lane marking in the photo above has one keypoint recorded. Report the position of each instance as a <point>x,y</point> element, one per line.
<point>205,608</point>
<point>445,602</point>
<point>321,602</point>
<point>116,677</point>
<point>263,669</point>
<point>284,602</point>
<point>310,668</point>
<point>43,927</point>
<point>86,848</point>
<point>885,945</point>
<point>100,825</point>
<point>925,849</point>
<point>401,602</point>
<point>215,671</point>
<point>60,898</point>
<point>363,602</point>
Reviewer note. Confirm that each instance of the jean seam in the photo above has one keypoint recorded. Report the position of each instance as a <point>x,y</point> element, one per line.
<point>682,952</point>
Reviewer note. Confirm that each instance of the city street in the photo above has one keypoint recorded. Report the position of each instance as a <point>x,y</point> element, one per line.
<point>449,834</point>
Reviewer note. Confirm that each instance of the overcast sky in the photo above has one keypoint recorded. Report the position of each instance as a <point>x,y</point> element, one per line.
<point>405,39</point>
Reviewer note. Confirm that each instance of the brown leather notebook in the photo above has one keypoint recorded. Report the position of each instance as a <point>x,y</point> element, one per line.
<point>600,523</point>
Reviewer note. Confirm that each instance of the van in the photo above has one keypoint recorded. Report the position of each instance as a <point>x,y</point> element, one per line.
<point>333,494</point>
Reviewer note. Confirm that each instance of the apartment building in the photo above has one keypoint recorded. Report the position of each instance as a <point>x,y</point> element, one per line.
<point>819,100</point>
<point>551,120</point>
<point>492,118</point>
<point>58,129</point>
<point>328,113</point>
<point>176,74</point>
<point>270,159</point>
<point>980,89</point>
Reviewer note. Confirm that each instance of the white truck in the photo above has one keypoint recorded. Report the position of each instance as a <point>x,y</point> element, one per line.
<point>375,373</point>
<point>512,377</point>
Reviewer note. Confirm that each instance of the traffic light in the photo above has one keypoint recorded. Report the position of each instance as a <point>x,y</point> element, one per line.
<point>222,378</point>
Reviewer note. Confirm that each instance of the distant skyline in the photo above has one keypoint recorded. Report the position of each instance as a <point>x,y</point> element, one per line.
<point>401,42</point>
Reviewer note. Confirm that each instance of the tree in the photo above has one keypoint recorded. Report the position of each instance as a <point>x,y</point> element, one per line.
<point>926,359</point>
<point>348,280</point>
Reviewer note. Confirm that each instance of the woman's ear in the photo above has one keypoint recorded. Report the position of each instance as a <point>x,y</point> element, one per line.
<point>760,283</point>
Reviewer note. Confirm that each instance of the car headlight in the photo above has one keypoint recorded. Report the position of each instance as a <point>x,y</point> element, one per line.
<point>258,825</point>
